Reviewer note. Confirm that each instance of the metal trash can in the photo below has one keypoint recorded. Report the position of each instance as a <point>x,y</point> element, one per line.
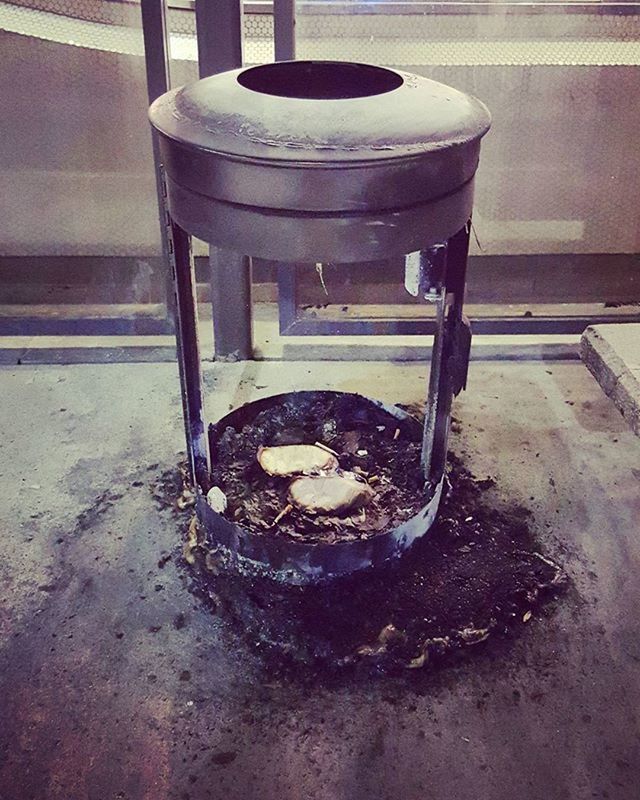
<point>316,161</point>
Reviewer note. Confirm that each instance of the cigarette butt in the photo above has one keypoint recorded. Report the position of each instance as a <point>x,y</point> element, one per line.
<point>327,449</point>
<point>396,434</point>
<point>286,510</point>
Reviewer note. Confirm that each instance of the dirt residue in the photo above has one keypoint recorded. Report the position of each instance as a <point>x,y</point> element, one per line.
<point>476,573</point>
<point>367,440</point>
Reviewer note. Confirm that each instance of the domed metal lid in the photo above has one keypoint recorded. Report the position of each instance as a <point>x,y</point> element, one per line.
<point>319,111</point>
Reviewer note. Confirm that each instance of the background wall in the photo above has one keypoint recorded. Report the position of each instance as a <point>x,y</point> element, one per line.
<point>559,170</point>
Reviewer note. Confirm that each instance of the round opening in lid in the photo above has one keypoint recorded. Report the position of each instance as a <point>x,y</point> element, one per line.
<point>320,80</point>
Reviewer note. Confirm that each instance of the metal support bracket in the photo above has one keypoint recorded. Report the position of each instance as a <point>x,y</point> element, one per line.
<point>446,268</point>
<point>458,358</point>
<point>156,56</point>
<point>424,272</point>
<point>188,347</point>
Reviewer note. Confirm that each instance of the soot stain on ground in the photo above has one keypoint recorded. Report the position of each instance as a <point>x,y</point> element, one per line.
<point>477,575</point>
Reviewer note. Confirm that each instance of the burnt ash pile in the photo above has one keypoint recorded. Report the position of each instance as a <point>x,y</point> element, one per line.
<point>368,441</point>
<point>478,572</point>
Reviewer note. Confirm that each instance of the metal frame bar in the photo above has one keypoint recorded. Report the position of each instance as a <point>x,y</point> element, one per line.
<point>86,326</point>
<point>284,22</point>
<point>305,325</point>
<point>295,321</point>
<point>156,58</point>
<point>603,7</point>
<point>429,466</point>
<point>188,349</point>
<point>468,7</point>
<point>219,33</point>
<point>232,304</point>
<point>449,361</point>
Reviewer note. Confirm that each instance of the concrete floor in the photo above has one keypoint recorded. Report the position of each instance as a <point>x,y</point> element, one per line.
<point>116,683</point>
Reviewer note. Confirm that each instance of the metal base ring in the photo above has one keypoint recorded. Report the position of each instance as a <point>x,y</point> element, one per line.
<point>301,563</point>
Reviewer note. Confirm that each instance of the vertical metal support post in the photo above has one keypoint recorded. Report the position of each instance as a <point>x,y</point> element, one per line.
<point>284,45</point>
<point>220,48</point>
<point>186,315</point>
<point>231,299</point>
<point>156,57</point>
<point>284,27</point>
<point>286,279</point>
<point>449,357</point>
<point>219,35</point>
<point>457,254</point>
<point>430,468</point>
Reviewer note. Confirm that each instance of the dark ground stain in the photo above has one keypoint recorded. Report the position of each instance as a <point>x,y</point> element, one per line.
<point>473,583</point>
<point>224,758</point>
<point>60,701</point>
<point>477,573</point>
<point>167,487</point>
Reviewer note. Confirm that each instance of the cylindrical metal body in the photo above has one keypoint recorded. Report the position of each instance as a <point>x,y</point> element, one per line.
<point>320,161</point>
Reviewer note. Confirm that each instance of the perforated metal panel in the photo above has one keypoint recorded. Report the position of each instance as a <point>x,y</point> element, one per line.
<point>258,36</point>
<point>76,170</point>
<point>490,39</point>
<point>559,169</point>
<point>108,12</point>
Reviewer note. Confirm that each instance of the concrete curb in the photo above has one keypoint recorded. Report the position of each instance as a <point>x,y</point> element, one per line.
<point>612,355</point>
